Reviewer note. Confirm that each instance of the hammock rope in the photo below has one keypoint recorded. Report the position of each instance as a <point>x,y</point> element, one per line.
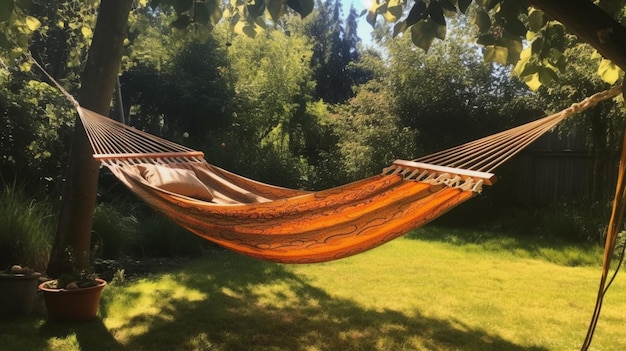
<point>488,153</point>
<point>614,228</point>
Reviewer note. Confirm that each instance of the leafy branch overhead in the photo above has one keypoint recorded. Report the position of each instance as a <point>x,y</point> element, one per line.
<point>510,31</point>
<point>245,16</point>
<point>503,27</point>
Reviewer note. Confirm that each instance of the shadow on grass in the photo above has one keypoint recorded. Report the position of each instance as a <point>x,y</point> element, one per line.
<point>92,335</point>
<point>252,305</point>
<point>34,332</point>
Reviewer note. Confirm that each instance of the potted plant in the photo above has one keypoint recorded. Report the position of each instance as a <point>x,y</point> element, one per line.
<point>74,296</point>
<point>18,291</point>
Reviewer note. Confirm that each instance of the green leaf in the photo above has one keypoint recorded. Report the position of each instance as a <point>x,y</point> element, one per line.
<point>608,71</point>
<point>256,8</point>
<point>440,31</point>
<point>486,39</point>
<point>244,28</point>
<point>371,17</point>
<point>447,5</point>
<point>595,55</point>
<point>537,20</point>
<point>527,69</point>
<point>276,8</point>
<point>303,7</point>
<point>532,81</point>
<point>547,75</point>
<point>201,13</point>
<point>235,18</point>
<point>537,46</point>
<point>416,14</point>
<point>32,23</point>
<point>260,24</point>
<point>394,11</point>
<point>207,12</point>
<point>435,12</point>
<point>464,4</point>
<point>398,28</point>
<point>25,66</point>
<point>183,21</point>
<point>181,6</point>
<point>215,10</point>
<point>498,54</point>
<point>423,34</point>
<point>4,42</point>
<point>86,32</point>
<point>514,48</point>
<point>6,10</point>
<point>482,20</point>
<point>515,27</point>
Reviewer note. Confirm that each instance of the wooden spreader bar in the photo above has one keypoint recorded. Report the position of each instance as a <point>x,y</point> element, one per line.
<point>104,157</point>
<point>487,178</point>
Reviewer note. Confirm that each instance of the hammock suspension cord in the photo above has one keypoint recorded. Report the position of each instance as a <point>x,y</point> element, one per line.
<point>112,141</point>
<point>486,154</point>
<point>613,230</point>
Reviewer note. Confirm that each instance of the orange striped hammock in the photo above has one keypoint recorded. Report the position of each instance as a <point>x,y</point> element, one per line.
<point>295,226</point>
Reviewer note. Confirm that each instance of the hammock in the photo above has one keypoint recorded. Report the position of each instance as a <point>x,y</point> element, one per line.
<point>295,226</point>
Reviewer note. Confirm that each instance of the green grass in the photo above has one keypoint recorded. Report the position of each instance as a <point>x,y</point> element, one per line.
<point>548,248</point>
<point>406,295</point>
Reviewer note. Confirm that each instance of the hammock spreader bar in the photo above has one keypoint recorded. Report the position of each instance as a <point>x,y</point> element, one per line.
<point>487,178</point>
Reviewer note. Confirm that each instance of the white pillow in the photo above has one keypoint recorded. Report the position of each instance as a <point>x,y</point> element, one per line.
<point>175,180</point>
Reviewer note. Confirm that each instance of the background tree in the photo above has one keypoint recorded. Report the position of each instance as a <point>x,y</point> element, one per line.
<point>97,85</point>
<point>272,81</point>
<point>333,50</point>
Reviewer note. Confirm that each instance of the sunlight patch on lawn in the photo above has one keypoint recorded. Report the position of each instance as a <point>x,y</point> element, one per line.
<point>199,342</point>
<point>69,342</point>
<point>138,304</point>
<point>278,295</point>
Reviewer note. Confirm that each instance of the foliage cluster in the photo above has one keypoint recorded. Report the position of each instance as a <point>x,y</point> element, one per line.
<point>25,229</point>
<point>122,229</point>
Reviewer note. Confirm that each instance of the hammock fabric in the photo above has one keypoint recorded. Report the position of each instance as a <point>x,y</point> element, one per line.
<point>294,226</point>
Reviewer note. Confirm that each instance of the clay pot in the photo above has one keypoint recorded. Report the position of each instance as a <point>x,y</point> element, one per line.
<point>72,305</point>
<point>17,294</point>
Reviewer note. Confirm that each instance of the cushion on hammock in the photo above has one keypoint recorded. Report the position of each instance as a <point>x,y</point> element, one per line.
<point>176,180</point>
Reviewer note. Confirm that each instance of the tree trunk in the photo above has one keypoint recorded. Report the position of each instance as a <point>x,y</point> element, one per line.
<point>73,233</point>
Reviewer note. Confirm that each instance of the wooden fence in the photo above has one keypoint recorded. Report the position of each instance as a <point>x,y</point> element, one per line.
<point>557,168</point>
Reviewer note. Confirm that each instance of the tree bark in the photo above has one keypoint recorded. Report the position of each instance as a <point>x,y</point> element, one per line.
<point>591,24</point>
<point>72,241</point>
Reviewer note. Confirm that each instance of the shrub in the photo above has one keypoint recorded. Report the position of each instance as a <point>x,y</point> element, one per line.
<point>162,237</point>
<point>26,228</point>
<point>113,233</point>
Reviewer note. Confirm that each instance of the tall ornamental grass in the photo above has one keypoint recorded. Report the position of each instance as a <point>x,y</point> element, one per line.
<point>26,229</point>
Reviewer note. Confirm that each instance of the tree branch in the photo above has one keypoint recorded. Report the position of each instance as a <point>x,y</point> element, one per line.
<point>591,24</point>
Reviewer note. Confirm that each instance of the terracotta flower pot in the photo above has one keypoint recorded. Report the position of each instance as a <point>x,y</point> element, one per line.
<point>72,305</point>
<point>17,294</point>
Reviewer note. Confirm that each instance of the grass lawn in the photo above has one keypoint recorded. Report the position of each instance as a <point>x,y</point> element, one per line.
<point>406,295</point>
